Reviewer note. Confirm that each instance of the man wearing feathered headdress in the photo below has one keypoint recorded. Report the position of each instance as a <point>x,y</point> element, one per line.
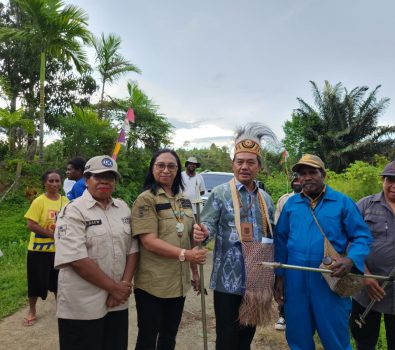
<point>239,215</point>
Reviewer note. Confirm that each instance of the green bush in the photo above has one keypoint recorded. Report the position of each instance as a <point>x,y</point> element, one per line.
<point>13,285</point>
<point>360,179</point>
<point>13,243</point>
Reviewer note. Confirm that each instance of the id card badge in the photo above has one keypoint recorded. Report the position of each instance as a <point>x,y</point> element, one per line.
<point>267,240</point>
<point>246,232</point>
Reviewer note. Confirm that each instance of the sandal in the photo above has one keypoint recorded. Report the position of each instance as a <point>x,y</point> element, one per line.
<point>27,322</point>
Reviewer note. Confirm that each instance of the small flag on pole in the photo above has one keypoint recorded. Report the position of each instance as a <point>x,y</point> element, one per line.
<point>122,134</point>
<point>130,115</point>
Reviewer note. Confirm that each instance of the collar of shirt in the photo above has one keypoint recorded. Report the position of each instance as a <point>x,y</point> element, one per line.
<point>161,192</point>
<point>92,202</point>
<point>328,194</point>
<point>241,187</point>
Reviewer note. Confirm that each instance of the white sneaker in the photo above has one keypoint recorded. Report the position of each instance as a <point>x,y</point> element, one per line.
<point>280,324</point>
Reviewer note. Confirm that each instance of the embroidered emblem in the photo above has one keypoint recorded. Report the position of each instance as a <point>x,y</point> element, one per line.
<point>107,162</point>
<point>142,210</point>
<point>186,203</point>
<point>62,229</point>
<point>126,220</point>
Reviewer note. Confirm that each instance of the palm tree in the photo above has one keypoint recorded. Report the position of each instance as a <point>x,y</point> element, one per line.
<point>56,30</point>
<point>342,127</point>
<point>111,64</point>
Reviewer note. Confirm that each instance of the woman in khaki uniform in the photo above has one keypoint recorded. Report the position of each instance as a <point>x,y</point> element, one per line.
<point>96,256</point>
<point>162,219</point>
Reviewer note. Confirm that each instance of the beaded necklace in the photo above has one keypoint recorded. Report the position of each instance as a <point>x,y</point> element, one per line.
<point>179,215</point>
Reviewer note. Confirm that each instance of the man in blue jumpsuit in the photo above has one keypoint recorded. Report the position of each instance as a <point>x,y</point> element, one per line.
<point>310,305</point>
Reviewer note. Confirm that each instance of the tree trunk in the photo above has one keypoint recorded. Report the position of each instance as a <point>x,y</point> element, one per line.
<point>101,107</point>
<point>42,108</point>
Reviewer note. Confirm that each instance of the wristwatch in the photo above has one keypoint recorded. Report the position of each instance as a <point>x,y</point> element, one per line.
<point>181,257</point>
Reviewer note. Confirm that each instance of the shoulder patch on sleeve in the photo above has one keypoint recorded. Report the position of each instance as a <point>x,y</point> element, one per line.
<point>62,231</point>
<point>126,220</point>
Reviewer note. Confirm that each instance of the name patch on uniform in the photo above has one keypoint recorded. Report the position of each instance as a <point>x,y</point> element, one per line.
<point>126,220</point>
<point>93,223</point>
<point>162,206</point>
<point>186,203</point>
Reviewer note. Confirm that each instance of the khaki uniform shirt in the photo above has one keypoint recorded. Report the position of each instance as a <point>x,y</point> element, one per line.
<point>86,230</point>
<point>157,275</point>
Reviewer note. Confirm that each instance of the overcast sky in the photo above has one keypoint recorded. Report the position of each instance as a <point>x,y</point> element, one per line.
<point>212,65</point>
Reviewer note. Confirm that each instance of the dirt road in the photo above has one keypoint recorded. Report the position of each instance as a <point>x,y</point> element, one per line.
<point>44,334</point>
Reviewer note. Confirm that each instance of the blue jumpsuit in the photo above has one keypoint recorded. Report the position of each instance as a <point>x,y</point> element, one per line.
<point>309,303</point>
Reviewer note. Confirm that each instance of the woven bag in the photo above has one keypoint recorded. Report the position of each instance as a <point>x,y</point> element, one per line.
<point>345,286</point>
<point>256,308</point>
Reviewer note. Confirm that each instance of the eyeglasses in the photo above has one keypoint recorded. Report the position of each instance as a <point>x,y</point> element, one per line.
<point>162,166</point>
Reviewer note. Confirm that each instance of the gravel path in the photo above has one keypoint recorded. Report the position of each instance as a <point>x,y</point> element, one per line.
<point>44,334</point>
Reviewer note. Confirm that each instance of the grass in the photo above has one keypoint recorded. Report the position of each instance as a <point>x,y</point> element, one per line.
<point>13,244</point>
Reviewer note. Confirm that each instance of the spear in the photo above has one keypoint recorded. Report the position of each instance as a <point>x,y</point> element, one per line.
<point>277,265</point>
<point>201,273</point>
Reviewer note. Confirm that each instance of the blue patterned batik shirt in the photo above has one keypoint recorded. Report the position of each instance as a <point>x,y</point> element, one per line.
<point>218,215</point>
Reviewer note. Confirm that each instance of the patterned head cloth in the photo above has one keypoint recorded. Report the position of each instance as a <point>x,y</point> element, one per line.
<point>249,138</point>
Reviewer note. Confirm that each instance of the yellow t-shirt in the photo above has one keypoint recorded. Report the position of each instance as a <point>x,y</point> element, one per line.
<point>44,211</point>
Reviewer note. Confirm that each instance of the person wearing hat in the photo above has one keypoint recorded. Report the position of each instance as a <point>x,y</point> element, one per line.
<point>299,240</point>
<point>232,229</point>
<point>193,182</point>
<point>97,257</point>
<point>378,211</point>
<point>296,188</point>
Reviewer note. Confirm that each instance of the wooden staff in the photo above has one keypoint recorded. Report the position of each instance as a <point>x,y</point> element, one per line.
<point>201,273</point>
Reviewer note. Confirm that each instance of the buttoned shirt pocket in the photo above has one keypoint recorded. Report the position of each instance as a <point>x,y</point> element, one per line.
<point>378,225</point>
<point>127,231</point>
<point>165,214</point>
<point>167,225</point>
<point>97,242</point>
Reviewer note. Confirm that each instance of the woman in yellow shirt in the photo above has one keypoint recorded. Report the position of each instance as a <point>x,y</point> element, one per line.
<point>41,220</point>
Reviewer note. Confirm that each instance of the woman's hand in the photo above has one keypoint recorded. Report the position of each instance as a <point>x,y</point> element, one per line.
<point>120,292</point>
<point>200,233</point>
<point>196,255</point>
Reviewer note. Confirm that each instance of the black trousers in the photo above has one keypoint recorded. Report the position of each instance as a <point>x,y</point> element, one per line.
<point>230,334</point>
<point>107,333</point>
<point>281,312</point>
<point>367,336</point>
<point>157,320</point>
